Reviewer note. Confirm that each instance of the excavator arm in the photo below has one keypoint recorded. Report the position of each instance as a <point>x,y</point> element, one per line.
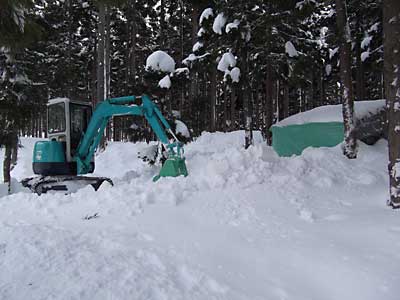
<point>136,106</point>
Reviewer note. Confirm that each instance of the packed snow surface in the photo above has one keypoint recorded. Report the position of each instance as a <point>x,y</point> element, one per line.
<point>245,224</point>
<point>333,113</point>
<point>160,61</point>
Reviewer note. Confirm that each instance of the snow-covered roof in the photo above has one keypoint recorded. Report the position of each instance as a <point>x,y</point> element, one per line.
<point>332,113</point>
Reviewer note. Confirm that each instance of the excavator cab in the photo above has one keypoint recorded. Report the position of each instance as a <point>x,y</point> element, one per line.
<point>67,121</point>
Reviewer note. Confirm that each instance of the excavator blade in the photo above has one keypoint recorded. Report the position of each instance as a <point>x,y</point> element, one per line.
<point>172,167</point>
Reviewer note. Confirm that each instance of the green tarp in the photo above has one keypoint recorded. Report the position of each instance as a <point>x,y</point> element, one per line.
<point>293,139</point>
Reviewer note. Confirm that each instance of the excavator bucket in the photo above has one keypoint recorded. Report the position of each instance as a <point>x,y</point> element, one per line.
<point>173,167</point>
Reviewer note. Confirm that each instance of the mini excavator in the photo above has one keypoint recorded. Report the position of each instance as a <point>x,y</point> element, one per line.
<point>74,133</point>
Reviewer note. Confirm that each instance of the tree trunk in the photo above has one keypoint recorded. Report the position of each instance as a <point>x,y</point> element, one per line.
<point>391,27</point>
<point>213,98</point>
<point>7,163</point>
<point>247,101</point>
<point>101,68</point>
<point>360,83</point>
<point>269,105</point>
<point>101,61</point>
<point>14,152</point>
<point>350,141</point>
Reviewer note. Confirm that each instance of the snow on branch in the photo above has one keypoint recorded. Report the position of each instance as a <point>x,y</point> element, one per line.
<point>160,61</point>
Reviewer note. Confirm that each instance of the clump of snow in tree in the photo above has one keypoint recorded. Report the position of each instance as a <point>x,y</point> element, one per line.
<point>201,32</point>
<point>328,69</point>
<point>290,49</point>
<point>165,82</point>
<point>235,74</point>
<point>18,15</point>
<point>192,57</point>
<point>208,12</point>
<point>332,52</point>
<point>301,4</point>
<point>366,41</point>
<point>365,55</point>
<point>333,113</point>
<point>234,25</point>
<point>197,46</point>
<point>160,61</point>
<point>179,71</point>
<point>374,27</point>
<point>219,23</point>
<point>227,60</point>
<point>182,129</point>
<point>85,5</point>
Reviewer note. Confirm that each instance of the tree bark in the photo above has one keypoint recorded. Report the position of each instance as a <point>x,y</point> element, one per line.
<point>391,27</point>
<point>7,162</point>
<point>350,141</point>
<point>213,98</point>
<point>247,101</point>
<point>269,105</point>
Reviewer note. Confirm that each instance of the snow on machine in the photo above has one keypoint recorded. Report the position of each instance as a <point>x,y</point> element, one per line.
<point>74,133</point>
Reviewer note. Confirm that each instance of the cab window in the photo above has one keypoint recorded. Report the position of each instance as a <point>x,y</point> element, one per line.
<point>56,117</point>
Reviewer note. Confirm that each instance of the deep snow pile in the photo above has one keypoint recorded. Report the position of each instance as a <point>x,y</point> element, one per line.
<point>245,224</point>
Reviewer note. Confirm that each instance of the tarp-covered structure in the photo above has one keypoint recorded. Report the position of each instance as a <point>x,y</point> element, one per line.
<point>323,127</point>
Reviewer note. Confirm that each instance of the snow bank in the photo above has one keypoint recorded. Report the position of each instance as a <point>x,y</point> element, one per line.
<point>245,224</point>
<point>160,61</point>
<point>333,113</point>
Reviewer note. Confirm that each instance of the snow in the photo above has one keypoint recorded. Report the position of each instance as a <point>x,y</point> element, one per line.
<point>182,128</point>
<point>197,46</point>
<point>328,69</point>
<point>165,82</point>
<point>201,32</point>
<point>179,71</point>
<point>160,61</point>
<point>245,224</point>
<point>333,52</point>
<point>207,13</point>
<point>366,41</point>
<point>365,55</point>
<point>235,74</point>
<point>333,113</point>
<point>234,25</point>
<point>219,23</point>
<point>290,49</point>
<point>227,60</point>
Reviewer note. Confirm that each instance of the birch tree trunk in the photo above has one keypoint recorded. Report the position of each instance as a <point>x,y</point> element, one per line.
<point>350,141</point>
<point>391,27</point>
